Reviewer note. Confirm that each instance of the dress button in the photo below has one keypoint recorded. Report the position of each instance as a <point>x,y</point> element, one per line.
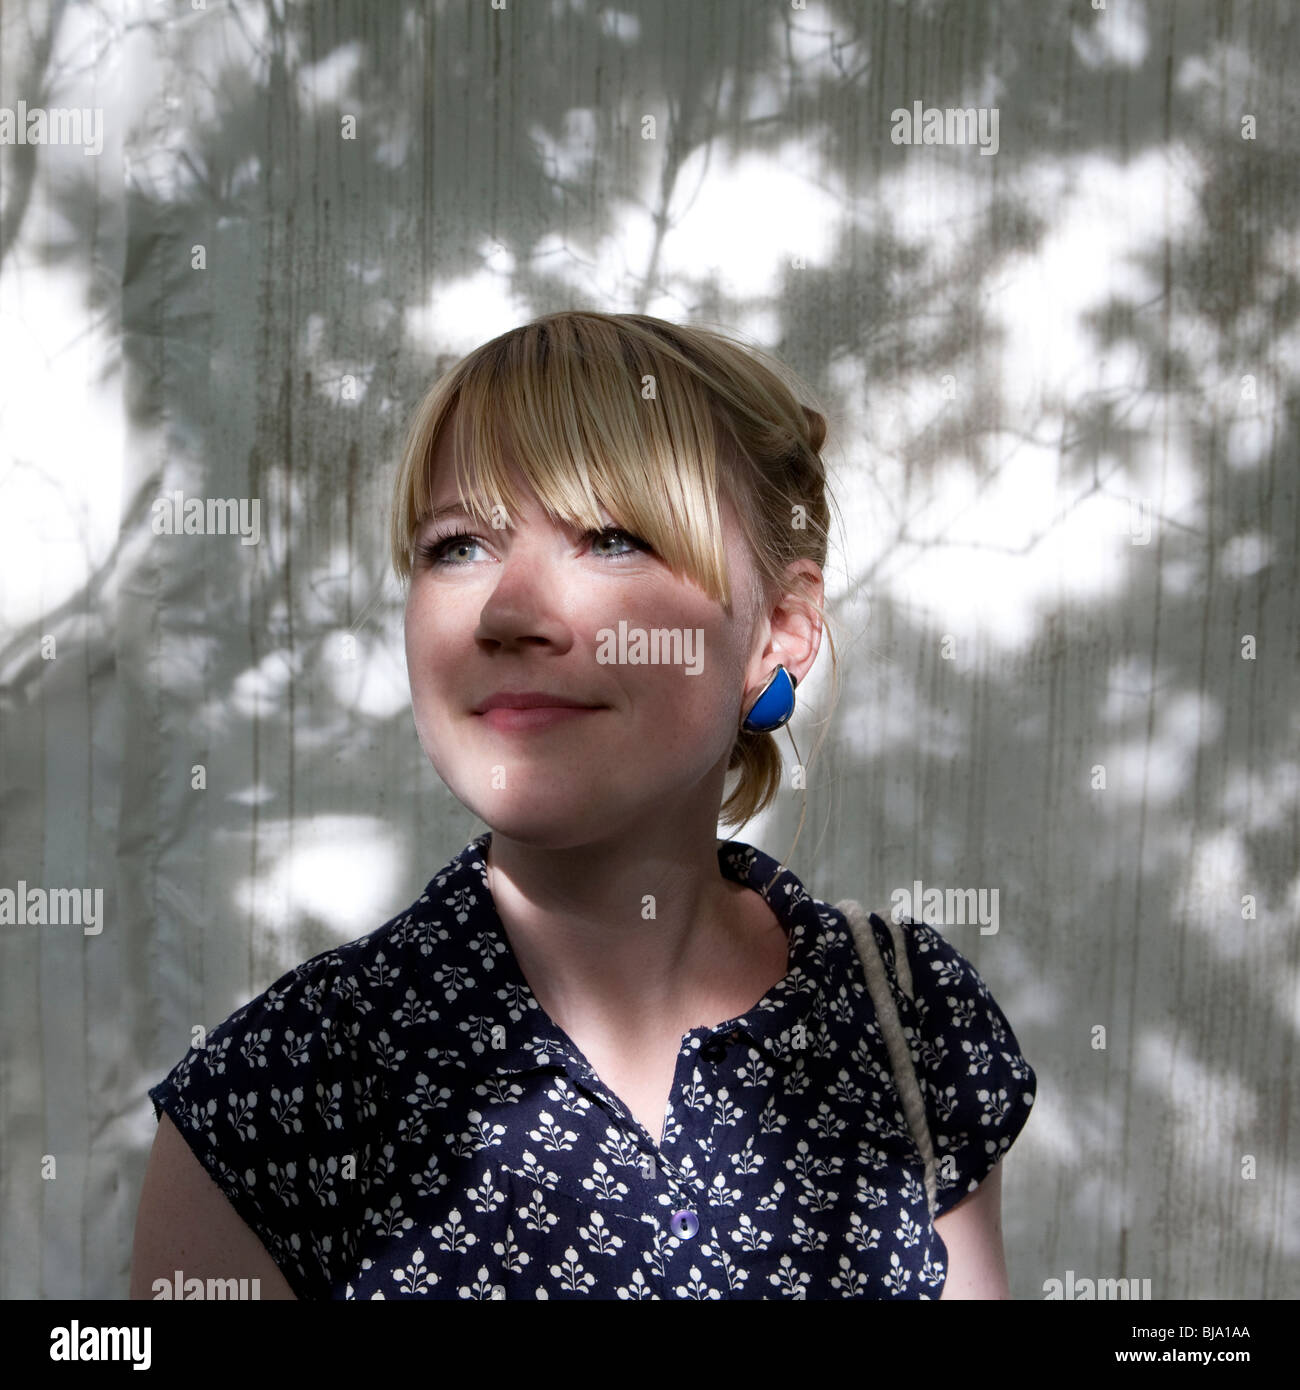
<point>714,1050</point>
<point>685,1224</point>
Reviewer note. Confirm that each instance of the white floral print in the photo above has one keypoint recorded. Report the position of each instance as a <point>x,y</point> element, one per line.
<point>399,1118</point>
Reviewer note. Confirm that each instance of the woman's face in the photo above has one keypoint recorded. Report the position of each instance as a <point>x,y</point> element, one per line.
<point>535,606</point>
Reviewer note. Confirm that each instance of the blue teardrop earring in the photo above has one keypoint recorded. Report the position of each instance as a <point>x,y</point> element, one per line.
<point>773,705</point>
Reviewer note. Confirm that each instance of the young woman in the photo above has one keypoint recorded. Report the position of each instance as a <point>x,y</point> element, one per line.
<point>604,1054</point>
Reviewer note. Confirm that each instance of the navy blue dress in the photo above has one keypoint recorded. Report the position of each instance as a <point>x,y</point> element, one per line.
<point>399,1118</point>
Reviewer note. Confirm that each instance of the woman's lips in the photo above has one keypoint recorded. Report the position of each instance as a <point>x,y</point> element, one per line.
<point>513,720</point>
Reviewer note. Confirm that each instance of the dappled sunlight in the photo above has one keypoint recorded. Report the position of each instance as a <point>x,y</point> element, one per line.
<point>365,674</point>
<point>1060,381</point>
<point>339,871</point>
<point>61,441</point>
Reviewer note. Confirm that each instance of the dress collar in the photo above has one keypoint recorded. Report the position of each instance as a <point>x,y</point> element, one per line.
<point>782,1024</point>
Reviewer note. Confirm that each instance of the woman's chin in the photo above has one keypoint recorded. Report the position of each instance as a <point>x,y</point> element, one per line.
<point>540,827</point>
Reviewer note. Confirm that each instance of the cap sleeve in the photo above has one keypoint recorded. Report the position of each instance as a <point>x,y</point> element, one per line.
<point>271,1104</point>
<point>977,1085</point>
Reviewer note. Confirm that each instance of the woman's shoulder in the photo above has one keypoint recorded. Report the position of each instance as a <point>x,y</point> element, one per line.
<point>918,958</point>
<point>442,928</point>
<point>338,1012</point>
<point>941,997</point>
<point>976,1084</point>
<point>875,939</point>
<point>353,974</point>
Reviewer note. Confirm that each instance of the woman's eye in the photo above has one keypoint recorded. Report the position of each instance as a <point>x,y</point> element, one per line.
<point>434,552</point>
<point>613,531</point>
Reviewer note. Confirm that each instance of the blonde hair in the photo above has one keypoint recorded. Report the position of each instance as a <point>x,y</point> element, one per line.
<point>653,420</point>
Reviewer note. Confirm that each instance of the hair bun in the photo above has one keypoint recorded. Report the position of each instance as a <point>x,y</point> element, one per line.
<point>816,428</point>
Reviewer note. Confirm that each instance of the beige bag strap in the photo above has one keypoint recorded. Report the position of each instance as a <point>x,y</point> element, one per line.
<point>900,1057</point>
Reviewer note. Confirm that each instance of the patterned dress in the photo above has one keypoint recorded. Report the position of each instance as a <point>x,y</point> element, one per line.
<point>399,1118</point>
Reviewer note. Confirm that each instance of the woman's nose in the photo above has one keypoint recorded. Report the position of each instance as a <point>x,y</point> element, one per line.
<point>525,590</point>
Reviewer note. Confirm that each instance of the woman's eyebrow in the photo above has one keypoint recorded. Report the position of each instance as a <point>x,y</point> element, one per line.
<point>451,509</point>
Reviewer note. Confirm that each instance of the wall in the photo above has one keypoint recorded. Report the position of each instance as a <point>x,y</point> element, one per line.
<point>1061,379</point>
